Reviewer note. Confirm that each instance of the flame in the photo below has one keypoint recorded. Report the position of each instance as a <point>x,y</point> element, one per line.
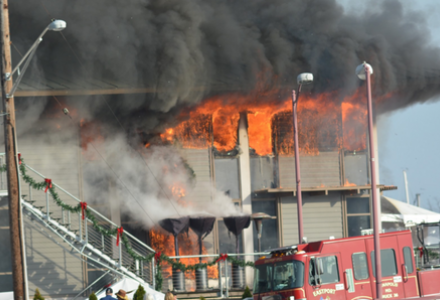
<point>324,123</point>
<point>188,245</point>
<point>347,183</point>
<point>178,191</point>
<point>354,120</point>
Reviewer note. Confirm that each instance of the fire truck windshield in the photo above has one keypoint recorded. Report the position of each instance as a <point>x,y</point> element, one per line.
<point>279,276</point>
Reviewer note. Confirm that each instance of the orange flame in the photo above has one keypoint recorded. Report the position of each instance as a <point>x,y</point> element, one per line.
<point>347,183</point>
<point>188,245</point>
<point>323,124</point>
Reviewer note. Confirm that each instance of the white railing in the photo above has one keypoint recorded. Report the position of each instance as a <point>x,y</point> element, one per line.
<point>84,230</point>
<point>222,279</point>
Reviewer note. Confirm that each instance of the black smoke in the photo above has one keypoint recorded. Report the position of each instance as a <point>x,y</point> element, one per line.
<point>187,50</point>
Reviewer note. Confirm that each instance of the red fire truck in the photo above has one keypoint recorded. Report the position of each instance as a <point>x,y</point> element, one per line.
<point>343,269</point>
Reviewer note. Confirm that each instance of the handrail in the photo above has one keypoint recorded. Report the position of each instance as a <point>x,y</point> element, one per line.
<point>39,215</point>
<point>91,209</point>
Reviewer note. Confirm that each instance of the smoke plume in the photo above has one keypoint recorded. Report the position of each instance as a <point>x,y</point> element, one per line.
<point>185,51</point>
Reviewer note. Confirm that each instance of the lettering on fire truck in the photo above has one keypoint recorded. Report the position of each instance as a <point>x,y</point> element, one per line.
<point>324,291</point>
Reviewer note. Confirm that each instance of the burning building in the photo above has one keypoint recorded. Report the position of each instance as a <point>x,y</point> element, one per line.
<point>198,92</point>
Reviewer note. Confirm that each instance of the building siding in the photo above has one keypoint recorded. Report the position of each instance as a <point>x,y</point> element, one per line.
<point>51,269</point>
<point>318,170</point>
<point>199,161</point>
<point>322,218</point>
<point>55,272</point>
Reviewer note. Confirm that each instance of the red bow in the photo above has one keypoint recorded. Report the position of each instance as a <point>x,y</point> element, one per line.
<point>83,208</point>
<point>48,184</point>
<point>221,257</point>
<point>119,233</point>
<point>157,257</point>
<point>19,158</point>
<point>421,251</point>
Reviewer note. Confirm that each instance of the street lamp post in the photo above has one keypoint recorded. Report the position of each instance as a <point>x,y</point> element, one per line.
<point>364,72</point>
<point>302,78</point>
<point>8,89</point>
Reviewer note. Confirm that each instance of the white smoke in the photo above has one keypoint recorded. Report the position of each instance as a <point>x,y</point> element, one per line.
<point>140,183</point>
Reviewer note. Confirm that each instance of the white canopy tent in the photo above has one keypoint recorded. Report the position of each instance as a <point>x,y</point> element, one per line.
<point>396,211</point>
<point>130,285</point>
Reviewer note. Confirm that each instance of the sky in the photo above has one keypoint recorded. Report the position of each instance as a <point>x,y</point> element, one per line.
<point>409,139</point>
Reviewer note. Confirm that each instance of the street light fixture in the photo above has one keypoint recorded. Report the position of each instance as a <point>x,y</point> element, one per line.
<point>364,72</point>
<point>303,78</point>
<point>55,25</point>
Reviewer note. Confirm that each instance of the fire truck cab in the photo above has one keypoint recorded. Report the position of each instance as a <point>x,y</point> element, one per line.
<point>344,269</point>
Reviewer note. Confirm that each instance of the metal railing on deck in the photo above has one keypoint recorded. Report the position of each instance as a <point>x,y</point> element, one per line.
<point>220,279</point>
<point>85,231</point>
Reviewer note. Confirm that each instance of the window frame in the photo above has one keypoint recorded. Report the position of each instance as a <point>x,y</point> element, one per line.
<point>312,259</point>
<point>373,267</point>
<point>347,214</point>
<point>366,266</point>
<point>285,263</point>
<point>410,259</point>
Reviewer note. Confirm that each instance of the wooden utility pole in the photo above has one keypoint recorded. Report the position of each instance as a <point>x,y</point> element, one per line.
<point>11,159</point>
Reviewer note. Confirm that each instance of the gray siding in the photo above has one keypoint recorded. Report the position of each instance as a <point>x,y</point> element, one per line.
<point>199,161</point>
<point>322,169</point>
<point>322,218</point>
<point>51,269</point>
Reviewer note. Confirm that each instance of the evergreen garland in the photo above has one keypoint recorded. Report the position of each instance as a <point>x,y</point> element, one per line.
<point>37,295</point>
<point>113,232</point>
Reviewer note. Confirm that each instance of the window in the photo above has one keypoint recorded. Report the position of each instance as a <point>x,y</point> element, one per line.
<point>288,275</point>
<point>263,278</point>
<point>330,271</point>
<point>388,259</point>
<point>360,265</point>
<point>407,256</point>
<point>227,176</point>
<point>358,215</point>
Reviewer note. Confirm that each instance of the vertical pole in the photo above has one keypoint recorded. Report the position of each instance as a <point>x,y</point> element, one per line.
<point>120,254</point>
<point>297,167</point>
<point>220,284</point>
<point>226,278</point>
<point>405,178</point>
<point>418,200</point>
<point>1,176</point>
<point>47,206</point>
<point>153,271</point>
<point>68,220</point>
<point>80,227</point>
<point>11,159</point>
<point>86,230</point>
<point>375,198</point>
